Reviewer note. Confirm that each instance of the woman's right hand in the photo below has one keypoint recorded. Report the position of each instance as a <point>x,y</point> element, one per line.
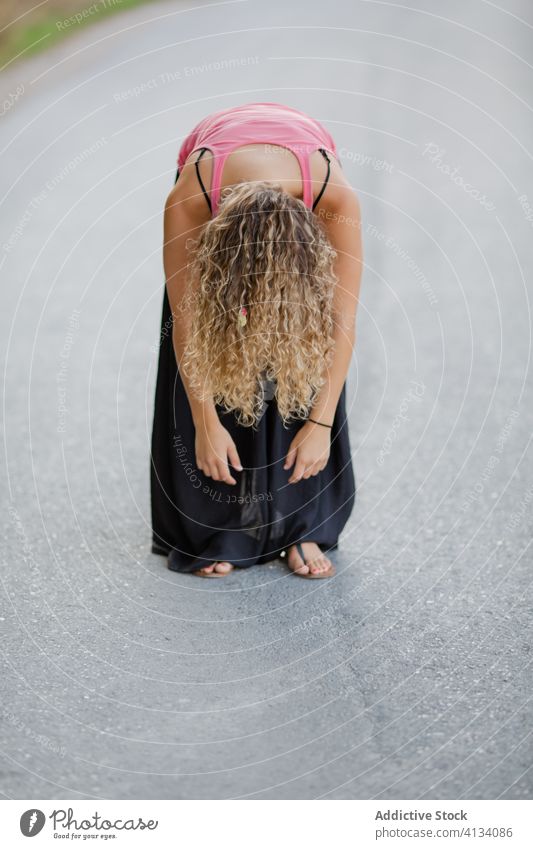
<point>214,447</point>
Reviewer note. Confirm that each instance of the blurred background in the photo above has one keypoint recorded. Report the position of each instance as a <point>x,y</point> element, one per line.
<point>408,676</point>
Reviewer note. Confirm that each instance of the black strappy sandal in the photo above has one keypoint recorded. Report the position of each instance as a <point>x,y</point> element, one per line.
<point>329,574</point>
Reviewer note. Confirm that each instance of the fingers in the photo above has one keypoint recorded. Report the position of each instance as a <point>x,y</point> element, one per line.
<point>213,459</point>
<point>314,468</point>
<point>225,474</point>
<point>299,469</point>
<point>306,468</point>
<point>291,457</point>
<point>218,470</point>
<point>234,458</point>
<point>222,472</point>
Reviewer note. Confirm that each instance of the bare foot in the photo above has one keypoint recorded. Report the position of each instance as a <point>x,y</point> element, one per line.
<point>220,567</point>
<point>317,562</point>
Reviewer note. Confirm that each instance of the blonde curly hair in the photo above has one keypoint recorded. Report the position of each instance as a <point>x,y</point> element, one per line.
<point>267,252</point>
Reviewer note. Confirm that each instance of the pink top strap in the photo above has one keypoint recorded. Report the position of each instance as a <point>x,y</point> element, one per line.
<point>303,159</point>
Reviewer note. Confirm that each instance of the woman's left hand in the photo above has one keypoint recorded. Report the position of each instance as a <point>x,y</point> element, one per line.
<point>310,448</point>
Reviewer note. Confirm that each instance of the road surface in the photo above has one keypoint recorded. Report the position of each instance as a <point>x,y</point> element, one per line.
<point>409,674</point>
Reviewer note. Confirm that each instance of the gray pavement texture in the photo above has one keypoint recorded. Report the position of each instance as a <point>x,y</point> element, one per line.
<point>409,674</point>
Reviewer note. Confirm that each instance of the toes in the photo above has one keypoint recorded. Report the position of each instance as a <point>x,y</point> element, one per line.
<point>219,567</point>
<point>321,564</point>
<point>297,564</point>
<point>223,567</point>
<point>314,566</point>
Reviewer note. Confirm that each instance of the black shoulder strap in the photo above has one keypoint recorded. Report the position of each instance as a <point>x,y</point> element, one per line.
<point>322,190</point>
<point>208,199</point>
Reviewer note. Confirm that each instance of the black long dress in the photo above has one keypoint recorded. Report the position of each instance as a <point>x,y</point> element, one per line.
<point>197,520</point>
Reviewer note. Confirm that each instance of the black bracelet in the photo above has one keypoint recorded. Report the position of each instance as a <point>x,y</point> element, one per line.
<point>309,419</point>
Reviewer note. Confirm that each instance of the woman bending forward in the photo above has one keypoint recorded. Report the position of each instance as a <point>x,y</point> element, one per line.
<point>262,254</point>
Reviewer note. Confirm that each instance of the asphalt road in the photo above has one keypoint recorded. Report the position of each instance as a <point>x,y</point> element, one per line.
<point>409,674</point>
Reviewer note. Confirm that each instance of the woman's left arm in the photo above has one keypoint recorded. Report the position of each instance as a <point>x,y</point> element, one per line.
<point>342,220</point>
<point>309,450</point>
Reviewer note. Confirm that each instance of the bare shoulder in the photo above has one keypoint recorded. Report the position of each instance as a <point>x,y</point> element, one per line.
<point>339,209</point>
<point>186,201</point>
<point>339,196</point>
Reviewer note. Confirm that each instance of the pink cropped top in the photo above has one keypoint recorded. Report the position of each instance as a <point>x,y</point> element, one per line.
<point>257,123</point>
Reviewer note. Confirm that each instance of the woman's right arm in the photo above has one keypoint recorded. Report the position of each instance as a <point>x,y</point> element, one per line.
<point>186,212</point>
<point>184,219</point>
